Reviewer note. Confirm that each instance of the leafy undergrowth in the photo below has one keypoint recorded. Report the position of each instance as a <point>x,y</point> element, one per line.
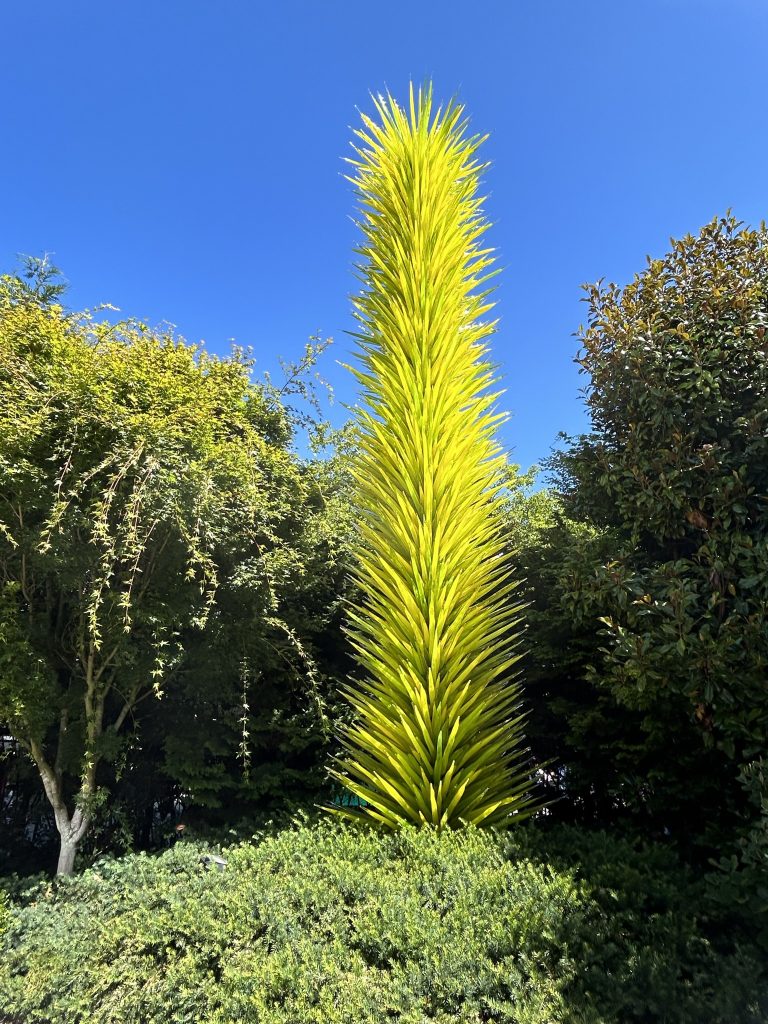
<point>326,924</point>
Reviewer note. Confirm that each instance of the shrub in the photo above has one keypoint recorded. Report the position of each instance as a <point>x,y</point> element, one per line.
<point>328,924</point>
<point>5,913</point>
<point>652,946</point>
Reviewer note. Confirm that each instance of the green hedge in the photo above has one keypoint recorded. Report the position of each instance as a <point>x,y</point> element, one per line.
<point>325,924</point>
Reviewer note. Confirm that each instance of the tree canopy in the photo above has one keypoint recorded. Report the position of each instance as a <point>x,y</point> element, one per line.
<point>136,469</point>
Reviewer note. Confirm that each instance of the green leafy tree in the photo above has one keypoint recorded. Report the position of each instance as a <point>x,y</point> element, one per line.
<point>437,735</point>
<point>675,475</point>
<point>132,468</point>
<point>246,726</point>
<point>641,770</point>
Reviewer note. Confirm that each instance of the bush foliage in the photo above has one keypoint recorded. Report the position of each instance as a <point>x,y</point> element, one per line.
<point>326,923</point>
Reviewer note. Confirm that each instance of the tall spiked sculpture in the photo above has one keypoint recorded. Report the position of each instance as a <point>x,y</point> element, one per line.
<point>436,737</point>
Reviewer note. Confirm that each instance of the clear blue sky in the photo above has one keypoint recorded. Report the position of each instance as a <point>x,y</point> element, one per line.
<point>183,160</point>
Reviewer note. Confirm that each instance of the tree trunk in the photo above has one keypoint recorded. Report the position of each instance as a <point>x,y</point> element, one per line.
<point>67,852</point>
<point>71,829</point>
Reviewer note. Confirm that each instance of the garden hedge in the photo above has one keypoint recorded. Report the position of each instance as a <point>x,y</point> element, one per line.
<point>324,924</point>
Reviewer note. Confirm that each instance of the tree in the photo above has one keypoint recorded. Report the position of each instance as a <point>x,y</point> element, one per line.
<point>437,735</point>
<point>641,770</point>
<point>254,743</point>
<point>675,471</point>
<point>132,467</point>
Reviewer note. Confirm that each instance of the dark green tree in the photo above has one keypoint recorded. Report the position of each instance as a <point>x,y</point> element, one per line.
<point>643,771</point>
<point>674,478</point>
